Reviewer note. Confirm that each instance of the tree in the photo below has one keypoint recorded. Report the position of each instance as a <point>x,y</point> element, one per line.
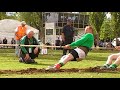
<point>3,15</point>
<point>11,15</point>
<point>33,19</point>
<point>106,30</point>
<point>96,20</point>
<point>115,23</point>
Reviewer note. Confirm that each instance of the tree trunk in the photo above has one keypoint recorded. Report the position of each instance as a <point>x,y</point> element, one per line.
<point>98,40</point>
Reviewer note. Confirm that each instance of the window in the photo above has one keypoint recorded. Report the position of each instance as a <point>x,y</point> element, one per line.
<point>44,18</point>
<point>56,24</point>
<point>85,25</point>
<point>61,31</point>
<point>60,24</point>
<point>60,17</point>
<point>64,24</point>
<point>71,16</point>
<point>76,18</point>
<point>86,19</point>
<point>43,25</point>
<point>49,31</point>
<point>81,19</point>
<point>65,17</point>
<point>80,25</point>
<point>75,25</point>
<point>57,32</point>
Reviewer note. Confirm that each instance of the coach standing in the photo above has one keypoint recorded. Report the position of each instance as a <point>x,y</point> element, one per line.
<point>20,31</point>
<point>67,35</point>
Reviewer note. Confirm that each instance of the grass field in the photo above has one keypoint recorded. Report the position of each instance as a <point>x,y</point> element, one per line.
<point>8,61</point>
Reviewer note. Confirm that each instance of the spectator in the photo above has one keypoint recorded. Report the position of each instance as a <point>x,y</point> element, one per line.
<point>0,42</point>
<point>5,41</point>
<point>118,42</point>
<point>58,43</point>
<point>20,31</point>
<point>100,44</point>
<point>28,54</point>
<point>67,35</point>
<point>13,42</point>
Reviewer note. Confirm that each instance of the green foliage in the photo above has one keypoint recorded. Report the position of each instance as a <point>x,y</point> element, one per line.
<point>33,19</point>
<point>96,20</point>
<point>115,23</point>
<point>3,15</point>
<point>84,13</point>
<point>106,30</point>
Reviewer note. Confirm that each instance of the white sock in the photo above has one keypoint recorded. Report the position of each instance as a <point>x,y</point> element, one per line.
<point>63,59</point>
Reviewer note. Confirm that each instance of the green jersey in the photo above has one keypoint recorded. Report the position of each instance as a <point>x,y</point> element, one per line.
<point>27,41</point>
<point>86,40</point>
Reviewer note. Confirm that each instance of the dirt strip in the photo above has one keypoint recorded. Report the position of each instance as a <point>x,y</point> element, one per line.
<point>75,70</point>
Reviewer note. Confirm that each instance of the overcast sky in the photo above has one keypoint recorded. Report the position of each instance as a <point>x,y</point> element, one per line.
<point>108,15</point>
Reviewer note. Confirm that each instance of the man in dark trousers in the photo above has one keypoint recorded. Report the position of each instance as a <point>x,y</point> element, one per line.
<point>67,35</point>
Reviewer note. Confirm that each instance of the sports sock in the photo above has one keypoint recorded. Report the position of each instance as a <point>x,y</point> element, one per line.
<point>61,64</point>
<point>113,66</point>
<point>107,65</point>
<point>58,65</point>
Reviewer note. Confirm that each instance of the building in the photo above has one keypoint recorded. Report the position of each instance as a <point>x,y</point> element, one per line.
<point>53,23</point>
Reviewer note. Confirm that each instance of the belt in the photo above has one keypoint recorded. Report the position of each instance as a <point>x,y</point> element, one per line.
<point>85,49</point>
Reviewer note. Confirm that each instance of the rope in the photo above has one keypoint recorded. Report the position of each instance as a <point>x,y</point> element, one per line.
<point>45,46</point>
<point>31,45</point>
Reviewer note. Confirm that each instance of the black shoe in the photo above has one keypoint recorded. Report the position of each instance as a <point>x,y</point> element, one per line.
<point>74,59</point>
<point>33,61</point>
<point>30,61</point>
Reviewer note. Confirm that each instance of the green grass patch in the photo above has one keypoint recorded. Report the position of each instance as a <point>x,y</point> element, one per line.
<point>8,61</point>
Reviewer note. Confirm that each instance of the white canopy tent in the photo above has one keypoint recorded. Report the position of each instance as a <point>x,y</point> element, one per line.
<point>8,26</point>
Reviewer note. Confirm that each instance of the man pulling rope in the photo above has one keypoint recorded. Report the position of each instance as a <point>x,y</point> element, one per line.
<point>83,45</point>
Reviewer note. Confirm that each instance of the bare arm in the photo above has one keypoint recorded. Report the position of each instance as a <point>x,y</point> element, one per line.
<point>67,47</point>
<point>63,37</point>
<point>117,47</point>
